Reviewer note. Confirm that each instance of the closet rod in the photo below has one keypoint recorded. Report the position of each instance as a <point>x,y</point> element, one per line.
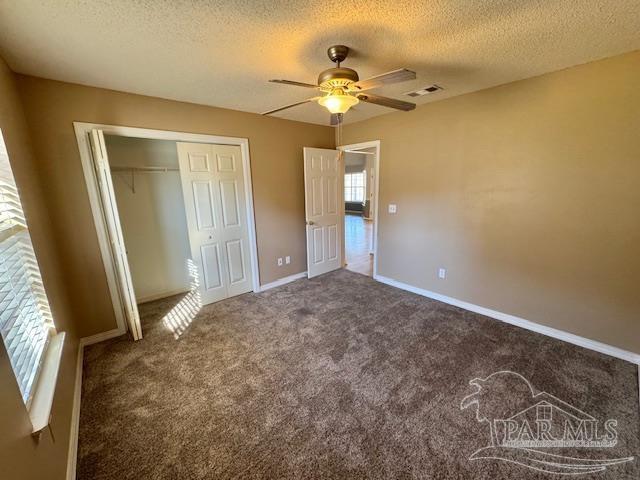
<point>144,169</point>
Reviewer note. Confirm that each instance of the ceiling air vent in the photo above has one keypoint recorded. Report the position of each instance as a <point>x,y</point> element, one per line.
<point>424,91</point>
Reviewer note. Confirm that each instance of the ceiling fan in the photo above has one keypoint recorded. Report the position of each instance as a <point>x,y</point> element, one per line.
<point>342,88</point>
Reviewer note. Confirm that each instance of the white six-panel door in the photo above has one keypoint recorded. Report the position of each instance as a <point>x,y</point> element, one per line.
<point>324,195</point>
<point>213,188</point>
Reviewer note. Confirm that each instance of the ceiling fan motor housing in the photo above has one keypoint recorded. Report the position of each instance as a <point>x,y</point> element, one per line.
<point>337,53</point>
<point>337,78</point>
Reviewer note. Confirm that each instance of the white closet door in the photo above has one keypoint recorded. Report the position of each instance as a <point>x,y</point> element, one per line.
<point>118,250</point>
<point>323,180</point>
<point>215,204</point>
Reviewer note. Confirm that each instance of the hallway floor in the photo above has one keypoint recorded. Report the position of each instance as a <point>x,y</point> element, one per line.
<point>358,234</point>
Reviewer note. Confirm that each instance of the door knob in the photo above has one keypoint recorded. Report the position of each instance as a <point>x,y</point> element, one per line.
<point>310,222</point>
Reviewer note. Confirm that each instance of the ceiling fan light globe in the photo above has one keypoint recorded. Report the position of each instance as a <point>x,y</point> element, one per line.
<point>338,103</point>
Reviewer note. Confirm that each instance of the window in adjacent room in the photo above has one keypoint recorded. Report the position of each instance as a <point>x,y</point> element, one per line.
<point>354,187</point>
<point>26,324</point>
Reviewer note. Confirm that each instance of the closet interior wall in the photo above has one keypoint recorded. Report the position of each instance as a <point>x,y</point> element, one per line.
<point>148,190</point>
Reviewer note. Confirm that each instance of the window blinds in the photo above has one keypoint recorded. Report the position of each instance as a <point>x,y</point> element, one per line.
<point>25,318</point>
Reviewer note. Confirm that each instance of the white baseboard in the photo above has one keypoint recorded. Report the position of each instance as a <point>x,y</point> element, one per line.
<point>158,296</point>
<point>519,322</point>
<point>72,457</point>
<point>101,337</point>
<point>283,281</point>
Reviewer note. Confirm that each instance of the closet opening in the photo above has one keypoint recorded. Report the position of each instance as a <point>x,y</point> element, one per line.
<point>174,215</point>
<point>146,181</point>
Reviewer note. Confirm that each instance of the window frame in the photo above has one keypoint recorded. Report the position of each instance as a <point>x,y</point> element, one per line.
<point>28,333</point>
<point>351,188</point>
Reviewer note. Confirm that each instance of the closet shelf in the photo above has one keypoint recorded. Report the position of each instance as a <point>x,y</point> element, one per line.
<point>134,170</point>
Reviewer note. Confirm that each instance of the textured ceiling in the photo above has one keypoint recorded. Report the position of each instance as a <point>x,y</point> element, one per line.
<point>222,53</point>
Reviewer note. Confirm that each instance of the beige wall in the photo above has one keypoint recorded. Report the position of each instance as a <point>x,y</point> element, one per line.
<point>20,456</point>
<point>276,165</point>
<point>529,195</point>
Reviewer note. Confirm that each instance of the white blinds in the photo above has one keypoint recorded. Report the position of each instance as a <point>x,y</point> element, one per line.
<point>25,318</point>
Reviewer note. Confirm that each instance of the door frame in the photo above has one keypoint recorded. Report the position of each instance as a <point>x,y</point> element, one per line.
<point>376,200</point>
<point>82,131</point>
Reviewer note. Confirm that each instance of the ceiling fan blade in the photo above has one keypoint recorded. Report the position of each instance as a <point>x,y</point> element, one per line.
<point>289,106</point>
<point>386,101</point>
<point>297,84</point>
<point>396,76</point>
<point>336,119</point>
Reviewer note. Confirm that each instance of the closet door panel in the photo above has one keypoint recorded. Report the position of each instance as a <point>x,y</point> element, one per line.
<point>204,204</point>
<point>212,267</point>
<point>213,187</point>
<point>201,192</point>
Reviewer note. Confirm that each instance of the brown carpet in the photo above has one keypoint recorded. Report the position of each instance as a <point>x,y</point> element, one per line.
<point>332,378</point>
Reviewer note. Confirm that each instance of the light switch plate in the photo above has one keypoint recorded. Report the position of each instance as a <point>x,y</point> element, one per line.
<point>393,208</point>
<point>287,259</point>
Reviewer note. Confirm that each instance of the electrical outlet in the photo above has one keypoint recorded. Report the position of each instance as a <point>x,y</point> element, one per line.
<point>442,273</point>
<point>280,261</point>
<point>393,208</point>
<point>287,259</point>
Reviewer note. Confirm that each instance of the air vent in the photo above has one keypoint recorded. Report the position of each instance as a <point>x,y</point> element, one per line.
<point>424,91</point>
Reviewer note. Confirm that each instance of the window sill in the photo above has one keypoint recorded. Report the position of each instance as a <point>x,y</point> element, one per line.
<point>40,409</point>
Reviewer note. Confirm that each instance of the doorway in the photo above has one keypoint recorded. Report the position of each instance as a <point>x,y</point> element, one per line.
<point>360,205</point>
<point>193,215</point>
<point>341,208</point>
